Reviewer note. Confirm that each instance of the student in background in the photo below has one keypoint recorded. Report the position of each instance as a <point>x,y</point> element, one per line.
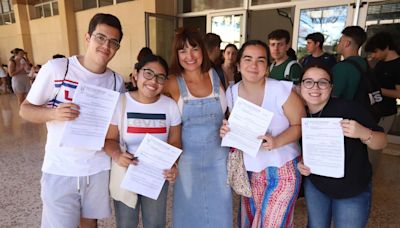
<point>382,48</point>
<point>315,45</point>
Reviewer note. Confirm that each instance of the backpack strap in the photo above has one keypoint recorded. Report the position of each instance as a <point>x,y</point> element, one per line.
<point>356,65</point>
<point>286,74</point>
<point>62,82</point>
<point>272,66</point>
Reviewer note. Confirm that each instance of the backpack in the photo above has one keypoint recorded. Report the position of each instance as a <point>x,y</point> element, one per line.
<point>286,74</point>
<point>369,92</point>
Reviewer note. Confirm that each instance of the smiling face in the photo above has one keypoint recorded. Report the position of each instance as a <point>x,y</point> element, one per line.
<point>316,97</point>
<point>253,63</point>
<point>149,89</point>
<point>190,57</point>
<point>100,53</point>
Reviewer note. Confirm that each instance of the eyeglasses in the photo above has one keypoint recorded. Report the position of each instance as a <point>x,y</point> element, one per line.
<point>102,39</point>
<point>322,84</point>
<point>149,75</point>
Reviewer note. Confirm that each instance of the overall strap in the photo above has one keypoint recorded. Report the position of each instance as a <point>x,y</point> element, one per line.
<point>182,88</point>
<point>215,81</point>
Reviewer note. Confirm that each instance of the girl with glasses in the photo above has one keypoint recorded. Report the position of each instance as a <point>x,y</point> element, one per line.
<point>146,111</point>
<point>344,201</point>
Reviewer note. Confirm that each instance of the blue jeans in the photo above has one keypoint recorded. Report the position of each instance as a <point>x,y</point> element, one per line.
<point>348,212</point>
<point>153,211</point>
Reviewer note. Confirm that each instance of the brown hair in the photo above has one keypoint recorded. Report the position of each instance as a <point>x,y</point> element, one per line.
<point>193,37</point>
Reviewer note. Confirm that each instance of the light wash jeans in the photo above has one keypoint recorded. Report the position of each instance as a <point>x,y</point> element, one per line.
<point>348,212</point>
<point>153,211</point>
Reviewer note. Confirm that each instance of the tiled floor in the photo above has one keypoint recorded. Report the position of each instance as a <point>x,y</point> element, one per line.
<point>21,155</point>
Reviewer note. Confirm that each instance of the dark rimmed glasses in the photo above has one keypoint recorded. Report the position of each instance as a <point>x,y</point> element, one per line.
<point>149,75</point>
<point>102,39</point>
<point>322,83</point>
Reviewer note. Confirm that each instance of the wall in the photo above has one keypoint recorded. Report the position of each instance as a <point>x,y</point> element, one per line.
<point>259,29</point>
<point>46,42</point>
<point>132,17</point>
<point>8,40</point>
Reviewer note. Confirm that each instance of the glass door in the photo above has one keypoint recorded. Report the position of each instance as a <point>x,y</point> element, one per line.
<point>327,18</point>
<point>229,26</point>
<point>160,31</point>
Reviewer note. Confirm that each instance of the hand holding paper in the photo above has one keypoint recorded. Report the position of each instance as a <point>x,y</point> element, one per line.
<point>89,129</point>
<point>323,146</point>
<point>247,122</point>
<point>146,178</point>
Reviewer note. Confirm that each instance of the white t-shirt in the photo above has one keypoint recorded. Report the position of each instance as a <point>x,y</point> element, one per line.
<point>68,161</point>
<point>139,119</point>
<point>275,95</point>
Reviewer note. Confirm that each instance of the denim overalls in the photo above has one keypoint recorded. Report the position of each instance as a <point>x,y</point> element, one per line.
<point>201,196</point>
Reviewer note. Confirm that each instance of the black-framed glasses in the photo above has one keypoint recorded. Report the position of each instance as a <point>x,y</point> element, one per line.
<point>149,74</point>
<point>102,39</point>
<point>322,83</point>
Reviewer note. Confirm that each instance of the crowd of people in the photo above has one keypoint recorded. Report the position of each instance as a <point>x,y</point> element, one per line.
<point>190,100</point>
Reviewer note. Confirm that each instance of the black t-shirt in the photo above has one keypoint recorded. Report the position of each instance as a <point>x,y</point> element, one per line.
<point>358,170</point>
<point>389,76</point>
<point>325,59</point>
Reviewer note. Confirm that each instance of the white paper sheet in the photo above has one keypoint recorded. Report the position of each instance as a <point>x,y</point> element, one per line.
<point>246,122</point>
<point>323,146</point>
<point>154,156</point>
<point>89,129</point>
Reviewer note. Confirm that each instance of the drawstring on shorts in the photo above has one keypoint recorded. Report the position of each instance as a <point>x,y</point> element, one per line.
<point>78,184</point>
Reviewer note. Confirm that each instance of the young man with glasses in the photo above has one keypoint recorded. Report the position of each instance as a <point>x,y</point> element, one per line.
<point>74,184</point>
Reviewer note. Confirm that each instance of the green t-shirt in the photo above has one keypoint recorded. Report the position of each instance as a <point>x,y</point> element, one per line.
<point>278,72</point>
<point>346,78</point>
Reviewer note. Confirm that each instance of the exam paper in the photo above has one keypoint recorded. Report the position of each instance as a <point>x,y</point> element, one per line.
<point>246,122</point>
<point>147,177</point>
<point>323,146</point>
<point>89,129</point>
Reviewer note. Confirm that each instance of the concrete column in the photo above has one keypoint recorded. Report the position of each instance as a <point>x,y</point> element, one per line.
<point>68,26</point>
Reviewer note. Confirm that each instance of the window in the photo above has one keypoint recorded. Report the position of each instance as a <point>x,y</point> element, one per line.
<point>329,21</point>
<point>43,8</point>
<point>89,4</point>
<point>6,12</point>
<point>261,2</point>
<point>186,6</point>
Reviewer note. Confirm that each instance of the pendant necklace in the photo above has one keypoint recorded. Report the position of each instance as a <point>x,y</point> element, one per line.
<point>317,116</point>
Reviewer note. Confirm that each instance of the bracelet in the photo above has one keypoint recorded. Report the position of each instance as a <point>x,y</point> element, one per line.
<point>368,140</point>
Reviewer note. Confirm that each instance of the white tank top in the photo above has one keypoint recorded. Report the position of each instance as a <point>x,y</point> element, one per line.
<point>191,97</point>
